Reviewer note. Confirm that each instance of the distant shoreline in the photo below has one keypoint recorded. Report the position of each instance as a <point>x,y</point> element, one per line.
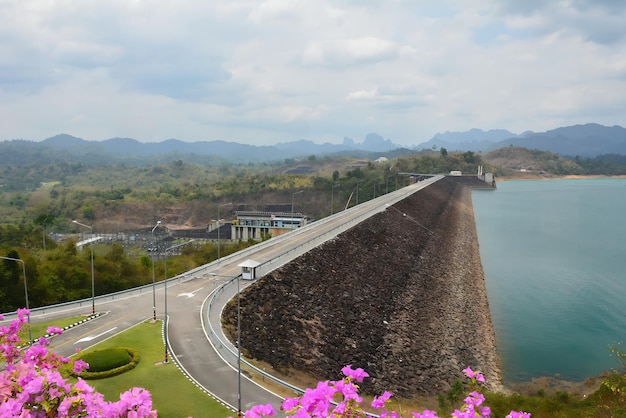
<point>566,177</point>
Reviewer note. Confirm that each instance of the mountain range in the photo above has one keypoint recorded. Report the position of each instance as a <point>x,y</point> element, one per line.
<point>589,140</point>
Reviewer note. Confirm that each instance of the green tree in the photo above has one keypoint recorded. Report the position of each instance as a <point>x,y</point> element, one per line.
<point>88,212</point>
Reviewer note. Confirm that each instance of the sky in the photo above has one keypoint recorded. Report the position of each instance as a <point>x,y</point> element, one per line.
<point>267,71</point>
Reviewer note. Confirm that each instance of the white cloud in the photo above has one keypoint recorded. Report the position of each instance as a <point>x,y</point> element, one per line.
<point>363,94</point>
<point>277,70</point>
<point>349,52</point>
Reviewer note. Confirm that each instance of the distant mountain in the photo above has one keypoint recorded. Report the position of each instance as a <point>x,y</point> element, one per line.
<point>68,148</point>
<point>589,140</point>
<point>375,142</point>
<point>472,140</point>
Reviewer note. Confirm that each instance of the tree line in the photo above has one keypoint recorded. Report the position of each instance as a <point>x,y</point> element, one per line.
<point>62,272</point>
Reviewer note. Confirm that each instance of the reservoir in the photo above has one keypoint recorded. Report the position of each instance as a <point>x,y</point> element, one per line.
<point>554,258</point>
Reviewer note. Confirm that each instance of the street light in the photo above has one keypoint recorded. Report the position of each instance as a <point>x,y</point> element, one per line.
<point>292,195</point>
<point>153,278</point>
<point>218,229</point>
<point>165,288</point>
<point>239,413</point>
<point>332,197</point>
<point>30,333</point>
<point>357,191</point>
<point>93,287</point>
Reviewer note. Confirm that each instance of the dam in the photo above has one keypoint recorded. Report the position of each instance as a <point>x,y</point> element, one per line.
<point>402,295</point>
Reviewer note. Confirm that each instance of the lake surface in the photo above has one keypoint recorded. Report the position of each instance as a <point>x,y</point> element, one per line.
<point>554,257</point>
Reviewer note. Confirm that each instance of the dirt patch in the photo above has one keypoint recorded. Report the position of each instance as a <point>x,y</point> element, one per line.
<point>401,295</point>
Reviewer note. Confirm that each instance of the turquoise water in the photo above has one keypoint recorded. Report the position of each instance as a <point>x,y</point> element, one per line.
<point>554,257</point>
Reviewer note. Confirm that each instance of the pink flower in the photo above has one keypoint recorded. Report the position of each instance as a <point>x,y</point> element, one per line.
<point>425,414</point>
<point>514,414</point>
<point>31,385</point>
<point>55,331</point>
<point>469,372</point>
<point>474,375</point>
<point>289,404</point>
<point>80,365</point>
<point>358,374</point>
<point>259,411</point>
<point>379,401</point>
<point>349,390</point>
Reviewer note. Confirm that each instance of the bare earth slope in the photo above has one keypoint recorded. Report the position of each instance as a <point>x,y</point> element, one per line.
<point>401,295</point>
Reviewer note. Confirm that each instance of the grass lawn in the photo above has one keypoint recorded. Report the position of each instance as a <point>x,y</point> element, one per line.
<point>173,395</point>
<point>39,330</point>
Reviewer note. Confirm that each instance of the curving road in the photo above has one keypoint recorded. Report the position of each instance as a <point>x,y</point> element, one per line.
<point>192,348</point>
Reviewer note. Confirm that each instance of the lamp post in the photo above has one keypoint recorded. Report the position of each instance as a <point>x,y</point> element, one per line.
<point>218,228</point>
<point>165,320</point>
<point>93,286</point>
<point>332,197</point>
<point>292,196</point>
<point>239,412</point>
<point>238,348</point>
<point>357,191</point>
<point>30,333</point>
<point>153,278</point>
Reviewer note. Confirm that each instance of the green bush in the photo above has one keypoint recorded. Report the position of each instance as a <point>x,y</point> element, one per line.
<point>102,360</point>
<point>108,362</point>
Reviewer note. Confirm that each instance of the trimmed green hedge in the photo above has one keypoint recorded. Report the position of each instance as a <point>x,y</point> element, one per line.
<point>108,362</point>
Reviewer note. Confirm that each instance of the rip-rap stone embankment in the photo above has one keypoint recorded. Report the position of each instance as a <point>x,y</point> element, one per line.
<point>401,295</point>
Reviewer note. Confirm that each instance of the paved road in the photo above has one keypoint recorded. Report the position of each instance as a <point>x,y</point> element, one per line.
<point>190,318</point>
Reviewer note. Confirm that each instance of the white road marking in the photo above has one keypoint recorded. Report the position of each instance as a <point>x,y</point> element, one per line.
<point>189,295</point>
<point>93,337</point>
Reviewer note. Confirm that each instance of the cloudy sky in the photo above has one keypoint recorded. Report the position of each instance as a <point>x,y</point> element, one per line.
<point>261,72</point>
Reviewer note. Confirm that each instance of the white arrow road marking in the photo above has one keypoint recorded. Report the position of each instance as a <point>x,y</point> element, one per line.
<point>93,337</point>
<point>189,295</point>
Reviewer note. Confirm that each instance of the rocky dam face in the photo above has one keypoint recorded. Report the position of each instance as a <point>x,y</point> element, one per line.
<point>401,295</point>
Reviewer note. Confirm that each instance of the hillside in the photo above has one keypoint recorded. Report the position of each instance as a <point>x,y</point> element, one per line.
<point>517,160</point>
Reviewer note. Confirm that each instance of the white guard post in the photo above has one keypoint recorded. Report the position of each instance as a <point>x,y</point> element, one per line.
<point>248,269</point>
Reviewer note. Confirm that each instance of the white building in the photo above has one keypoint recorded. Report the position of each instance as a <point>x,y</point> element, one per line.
<point>255,224</point>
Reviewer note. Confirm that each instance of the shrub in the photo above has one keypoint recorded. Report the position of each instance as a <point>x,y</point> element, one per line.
<point>108,359</point>
<point>107,363</point>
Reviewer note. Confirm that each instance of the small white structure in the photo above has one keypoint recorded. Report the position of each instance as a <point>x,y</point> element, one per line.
<point>248,269</point>
<point>455,173</point>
